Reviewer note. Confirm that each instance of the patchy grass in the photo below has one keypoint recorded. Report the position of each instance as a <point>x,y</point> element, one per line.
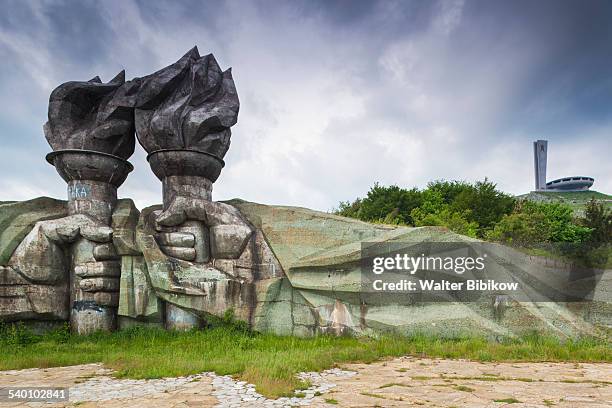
<point>395,384</point>
<point>372,395</point>
<point>331,401</point>
<point>464,388</point>
<point>508,401</point>
<point>268,361</point>
<point>422,377</point>
<point>575,199</point>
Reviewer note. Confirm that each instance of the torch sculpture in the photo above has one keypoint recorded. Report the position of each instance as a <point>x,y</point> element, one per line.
<point>91,131</point>
<point>183,115</point>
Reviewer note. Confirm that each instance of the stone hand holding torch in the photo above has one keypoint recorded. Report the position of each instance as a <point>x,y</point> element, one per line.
<point>91,131</point>
<point>183,115</point>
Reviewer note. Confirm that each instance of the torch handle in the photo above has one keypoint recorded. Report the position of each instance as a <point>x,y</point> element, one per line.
<point>189,188</point>
<point>97,200</point>
<point>202,239</point>
<point>87,315</point>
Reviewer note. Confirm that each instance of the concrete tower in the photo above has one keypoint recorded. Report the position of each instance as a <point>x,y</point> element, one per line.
<point>540,148</point>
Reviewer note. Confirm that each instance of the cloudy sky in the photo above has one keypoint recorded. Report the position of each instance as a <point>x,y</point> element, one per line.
<point>334,95</point>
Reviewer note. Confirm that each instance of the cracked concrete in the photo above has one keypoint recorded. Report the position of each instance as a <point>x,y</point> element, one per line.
<point>400,382</point>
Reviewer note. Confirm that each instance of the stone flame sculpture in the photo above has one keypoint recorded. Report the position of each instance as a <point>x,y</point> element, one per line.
<point>92,116</point>
<point>91,130</point>
<point>183,117</point>
<point>189,105</point>
<point>100,263</point>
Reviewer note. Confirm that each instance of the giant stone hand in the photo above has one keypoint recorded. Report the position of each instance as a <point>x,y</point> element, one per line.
<point>228,231</point>
<point>38,270</point>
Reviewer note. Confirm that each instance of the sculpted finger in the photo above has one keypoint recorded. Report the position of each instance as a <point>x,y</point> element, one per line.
<point>176,239</point>
<point>198,211</point>
<point>99,284</point>
<point>97,233</point>
<point>65,234</point>
<point>186,254</point>
<point>223,214</point>
<point>182,209</point>
<point>105,252</point>
<point>171,217</point>
<point>98,269</point>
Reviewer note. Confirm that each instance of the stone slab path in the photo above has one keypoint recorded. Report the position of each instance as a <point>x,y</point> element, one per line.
<point>401,382</point>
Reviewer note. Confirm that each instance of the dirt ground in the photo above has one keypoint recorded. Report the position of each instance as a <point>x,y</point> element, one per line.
<point>401,382</point>
<point>409,382</point>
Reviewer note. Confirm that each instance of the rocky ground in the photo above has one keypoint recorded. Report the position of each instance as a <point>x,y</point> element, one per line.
<point>401,382</point>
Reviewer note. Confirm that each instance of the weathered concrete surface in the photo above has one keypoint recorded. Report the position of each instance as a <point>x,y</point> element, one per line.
<point>86,237</point>
<point>190,104</point>
<point>215,286</point>
<point>400,382</point>
<point>92,385</point>
<point>411,382</point>
<point>91,115</point>
<point>124,221</point>
<point>320,255</point>
<point>298,274</point>
<point>183,115</point>
<point>34,282</point>
<point>41,291</point>
<point>18,218</point>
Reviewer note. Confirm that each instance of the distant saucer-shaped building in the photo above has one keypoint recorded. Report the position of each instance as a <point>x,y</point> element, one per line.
<point>574,183</point>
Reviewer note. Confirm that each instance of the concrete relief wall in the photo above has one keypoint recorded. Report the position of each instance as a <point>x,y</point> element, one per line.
<point>100,263</point>
<point>295,276</point>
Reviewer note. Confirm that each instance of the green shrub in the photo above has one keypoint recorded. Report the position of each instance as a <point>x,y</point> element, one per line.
<point>534,223</point>
<point>16,334</point>
<point>465,208</point>
<point>599,219</point>
<point>481,202</point>
<point>391,205</point>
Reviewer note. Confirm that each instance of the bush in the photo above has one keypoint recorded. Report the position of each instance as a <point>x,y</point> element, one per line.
<point>519,229</point>
<point>469,209</point>
<point>391,205</point>
<point>229,322</point>
<point>16,334</point>
<point>486,205</point>
<point>434,211</point>
<point>533,223</point>
<point>599,219</point>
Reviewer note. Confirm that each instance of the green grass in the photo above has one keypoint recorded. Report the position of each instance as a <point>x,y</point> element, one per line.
<point>575,199</point>
<point>268,361</point>
<point>372,395</point>
<point>395,384</point>
<point>508,401</point>
<point>575,195</point>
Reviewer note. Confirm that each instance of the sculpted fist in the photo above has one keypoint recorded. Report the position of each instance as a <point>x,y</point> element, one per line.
<point>97,267</point>
<point>38,270</point>
<point>223,231</point>
<point>40,256</point>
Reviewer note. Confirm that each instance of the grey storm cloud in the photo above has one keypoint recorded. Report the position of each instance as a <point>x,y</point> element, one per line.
<point>334,95</point>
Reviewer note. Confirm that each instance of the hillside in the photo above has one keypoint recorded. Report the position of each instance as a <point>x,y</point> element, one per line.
<point>576,199</point>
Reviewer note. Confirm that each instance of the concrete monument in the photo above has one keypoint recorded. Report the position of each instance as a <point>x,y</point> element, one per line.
<point>99,263</point>
<point>564,184</point>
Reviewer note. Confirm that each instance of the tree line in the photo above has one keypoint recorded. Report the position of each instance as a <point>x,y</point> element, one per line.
<point>482,211</point>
